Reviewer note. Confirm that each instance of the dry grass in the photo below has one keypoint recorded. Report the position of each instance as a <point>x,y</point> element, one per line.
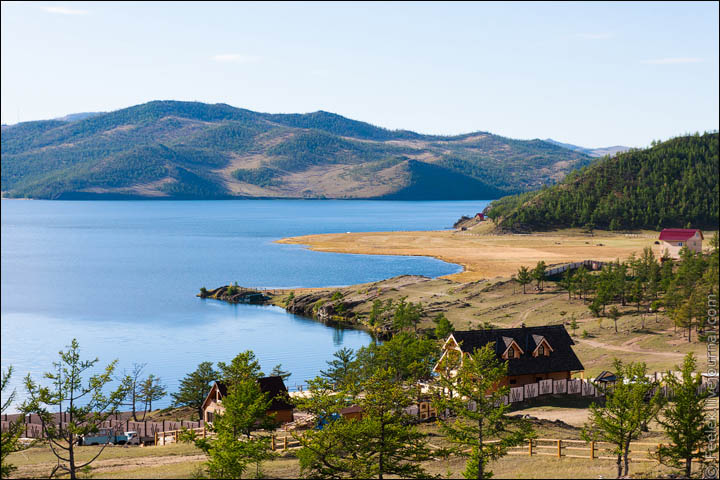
<point>38,461</point>
<point>482,254</point>
<point>181,461</point>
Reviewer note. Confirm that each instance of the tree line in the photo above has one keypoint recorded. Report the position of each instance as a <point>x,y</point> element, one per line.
<point>671,184</point>
<point>681,287</point>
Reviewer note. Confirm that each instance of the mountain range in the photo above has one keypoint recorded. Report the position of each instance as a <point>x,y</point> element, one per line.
<point>593,152</point>
<point>172,149</point>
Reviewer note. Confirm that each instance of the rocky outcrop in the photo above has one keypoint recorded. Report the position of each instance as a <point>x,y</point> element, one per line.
<point>235,294</point>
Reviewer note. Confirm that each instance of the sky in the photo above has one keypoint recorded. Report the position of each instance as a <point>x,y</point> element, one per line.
<point>592,74</point>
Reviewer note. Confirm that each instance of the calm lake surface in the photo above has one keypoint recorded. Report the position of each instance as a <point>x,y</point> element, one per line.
<point>121,277</point>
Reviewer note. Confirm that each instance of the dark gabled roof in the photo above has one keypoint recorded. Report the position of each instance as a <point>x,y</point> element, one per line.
<point>561,359</point>
<point>274,386</point>
<point>606,376</point>
<point>278,392</point>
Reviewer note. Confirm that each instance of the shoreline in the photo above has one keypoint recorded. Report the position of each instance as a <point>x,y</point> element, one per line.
<point>481,253</point>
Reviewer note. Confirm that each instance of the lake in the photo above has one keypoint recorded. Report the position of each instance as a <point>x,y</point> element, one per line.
<point>121,277</point>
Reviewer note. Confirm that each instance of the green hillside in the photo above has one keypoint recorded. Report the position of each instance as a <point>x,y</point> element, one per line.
<point>671,184</point>
<point>168,149</point>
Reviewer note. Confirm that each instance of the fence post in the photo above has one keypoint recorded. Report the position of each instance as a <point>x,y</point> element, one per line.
<point>204,434</point>
<point>530,447</point>
<point>176,436</point>
<point>272,442</point>
<point>285,442</point>
<point>559,442</point>
<point>156,443</point>
<point>127,424</point>
<point>592,450</point>
<point>163,425</point>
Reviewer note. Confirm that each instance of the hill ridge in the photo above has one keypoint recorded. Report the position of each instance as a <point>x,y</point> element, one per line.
<point>176,149</point>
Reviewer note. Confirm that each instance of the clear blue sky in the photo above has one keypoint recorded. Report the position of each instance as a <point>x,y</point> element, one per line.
<point>593,74</point>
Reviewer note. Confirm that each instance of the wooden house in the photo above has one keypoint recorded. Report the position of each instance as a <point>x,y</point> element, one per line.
<point>353,411</point>
<point>674,239</point>
<point>280,407</point>
<point>532,353</point>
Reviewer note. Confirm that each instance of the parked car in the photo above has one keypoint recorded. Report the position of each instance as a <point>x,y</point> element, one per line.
<point>111,437</point>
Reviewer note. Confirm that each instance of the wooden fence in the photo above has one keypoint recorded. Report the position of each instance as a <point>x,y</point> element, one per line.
<point>588,264</point>
<point>146,430</point>
<point>557,447</point>
<point>172,436</point>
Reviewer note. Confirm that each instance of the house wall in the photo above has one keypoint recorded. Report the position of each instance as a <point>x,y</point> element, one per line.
<point>212,407</point>
<point>281,416</point>
<point>533,378</point>
<point>353,415</point>
<point>673,248</point>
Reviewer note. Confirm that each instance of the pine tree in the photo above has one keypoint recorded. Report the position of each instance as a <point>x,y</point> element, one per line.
<point>278,371</point>
<point>443,327</point>
<point>233,447</point>
<point>151,390</point>
<point>684,419</point>
<point>383,442</point>
<point>195,387</point>
<point>10,436</point>
<point>628,407</point>
<point>244,366</point>
<point>477,383</point>
<point>342,369</point>
<point>524,277</point>
<point>538,274</point>
<point>86,402</point>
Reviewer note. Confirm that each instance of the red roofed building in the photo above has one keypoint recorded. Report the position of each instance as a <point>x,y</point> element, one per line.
<point>676,238</point>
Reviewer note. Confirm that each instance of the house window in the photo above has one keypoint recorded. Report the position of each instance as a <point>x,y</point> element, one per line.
<point>511,352</point>
<point>209,416</point>
<point>680,244</point>
<point>513,382</point>
<point>537,379</point>
<point>541,350</point>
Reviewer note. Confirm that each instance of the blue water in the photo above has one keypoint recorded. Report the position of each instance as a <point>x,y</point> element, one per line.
<point>121,277</point>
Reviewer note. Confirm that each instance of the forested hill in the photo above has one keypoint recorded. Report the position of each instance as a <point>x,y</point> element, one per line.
<point>671,184</point>
<point>174,149</point>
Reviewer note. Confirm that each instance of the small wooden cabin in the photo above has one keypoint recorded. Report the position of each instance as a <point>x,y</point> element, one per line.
<point>674,239</point>
<point>354,411</point>
<point>280,407</point>
<point>532,353</point>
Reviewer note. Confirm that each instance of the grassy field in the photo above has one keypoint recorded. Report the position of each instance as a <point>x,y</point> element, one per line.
<point>183,461</point>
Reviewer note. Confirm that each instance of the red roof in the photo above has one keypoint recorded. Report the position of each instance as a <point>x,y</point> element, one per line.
<point>678,234</point>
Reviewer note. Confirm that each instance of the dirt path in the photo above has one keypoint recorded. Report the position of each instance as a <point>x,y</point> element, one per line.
<point>525,313</point>
<point>631,348</point>
<point>113,464</point>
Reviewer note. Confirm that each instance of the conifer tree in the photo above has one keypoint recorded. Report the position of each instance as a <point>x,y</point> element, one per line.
<point>194,387</point>
<point>84,401</point>
<point>477,401</point>
<point>629,406</point>
<point>524,277</point>
<point>684,419</point>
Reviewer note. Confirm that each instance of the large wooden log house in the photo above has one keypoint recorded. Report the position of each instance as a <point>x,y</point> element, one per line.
<point>532,353</point>
<point>280,407</point>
